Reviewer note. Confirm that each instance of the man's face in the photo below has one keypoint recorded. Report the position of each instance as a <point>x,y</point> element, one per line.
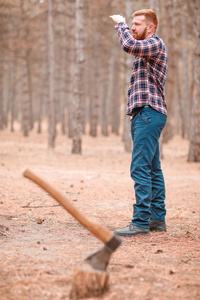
<point>139,27</point>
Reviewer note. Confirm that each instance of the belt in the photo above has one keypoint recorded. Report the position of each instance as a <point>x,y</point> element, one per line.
<point>136,110</point>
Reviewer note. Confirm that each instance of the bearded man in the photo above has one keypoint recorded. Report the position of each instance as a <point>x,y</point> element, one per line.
<point>147,107</point>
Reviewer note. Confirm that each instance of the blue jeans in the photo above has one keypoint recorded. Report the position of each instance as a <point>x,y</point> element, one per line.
<point>146,172</point>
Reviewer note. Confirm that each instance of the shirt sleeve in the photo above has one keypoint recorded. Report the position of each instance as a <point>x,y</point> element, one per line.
<point>147,47</point>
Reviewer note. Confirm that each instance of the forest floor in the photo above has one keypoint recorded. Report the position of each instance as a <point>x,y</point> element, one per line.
<point>37,260</point>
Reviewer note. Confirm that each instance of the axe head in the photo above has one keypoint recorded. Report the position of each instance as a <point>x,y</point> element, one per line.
<point>100,258</point>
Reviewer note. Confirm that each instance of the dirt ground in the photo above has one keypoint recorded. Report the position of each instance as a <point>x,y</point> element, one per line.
<point>37,260</point>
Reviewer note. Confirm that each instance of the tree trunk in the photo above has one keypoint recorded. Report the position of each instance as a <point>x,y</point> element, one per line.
<point>78,80</point>
<point>88,282</point>
<point>43,78</point>
<point>25,100</point>
<point>28,66</point>
<point>103,99</point>
<point>128,64</point>
<point>94,98</point>
<point>104,81</point>
<point>94,80</point>
<point>70,70</point>
<point>9,81</point>
<point>194,150</point>
<point>186,100</point>
<point>51,100</point>
<point>170,84</point>
<point>13,96</point>
<point>60,66</point>
<point>177,106</point>
<point>116,84</point>
<point>94,61</point>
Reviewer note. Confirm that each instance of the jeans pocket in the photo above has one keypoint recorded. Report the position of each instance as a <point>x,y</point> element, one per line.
<point>145,116</point>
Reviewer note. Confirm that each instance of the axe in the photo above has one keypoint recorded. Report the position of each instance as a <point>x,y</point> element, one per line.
<point>100,258</point>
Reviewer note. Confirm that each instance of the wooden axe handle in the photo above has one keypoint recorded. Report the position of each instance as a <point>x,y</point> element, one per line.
<point>99,231</point>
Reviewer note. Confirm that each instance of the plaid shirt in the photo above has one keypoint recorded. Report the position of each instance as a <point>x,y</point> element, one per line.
<point>149,70</point>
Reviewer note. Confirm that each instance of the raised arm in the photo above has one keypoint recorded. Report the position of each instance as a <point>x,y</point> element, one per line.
<point>146,47</point>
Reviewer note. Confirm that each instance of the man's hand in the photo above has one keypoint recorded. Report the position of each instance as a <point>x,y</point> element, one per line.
<point>118,19</point>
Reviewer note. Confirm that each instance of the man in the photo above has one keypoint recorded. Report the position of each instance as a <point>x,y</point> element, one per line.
<point>146,105</point>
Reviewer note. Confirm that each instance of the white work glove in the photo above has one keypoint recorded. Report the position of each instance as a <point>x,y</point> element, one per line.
<point>118,19</point>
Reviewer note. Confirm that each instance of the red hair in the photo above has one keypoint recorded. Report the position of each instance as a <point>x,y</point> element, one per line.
<point>149,14</point>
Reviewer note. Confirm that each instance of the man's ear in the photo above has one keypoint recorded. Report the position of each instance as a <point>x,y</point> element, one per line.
<point>151,28</point>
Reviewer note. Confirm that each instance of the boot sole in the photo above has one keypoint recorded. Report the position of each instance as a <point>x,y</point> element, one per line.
<point>133,234</point>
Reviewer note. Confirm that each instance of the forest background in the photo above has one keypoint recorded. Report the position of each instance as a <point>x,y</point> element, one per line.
<point>63,87</point>
<point>61,62</point>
